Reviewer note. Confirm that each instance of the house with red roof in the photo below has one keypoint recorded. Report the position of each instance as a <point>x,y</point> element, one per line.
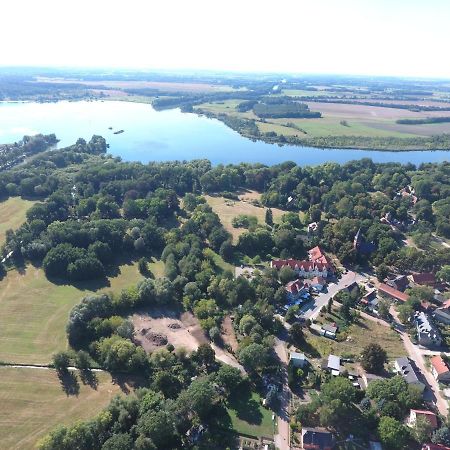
<point>305,269</point>
<point>434,447</point>
<point>414,414</point>
<point>439,368</point>
<point>317,255</point>
<point>424,279</point>
<point>296,289</point>
<point>392,293</point>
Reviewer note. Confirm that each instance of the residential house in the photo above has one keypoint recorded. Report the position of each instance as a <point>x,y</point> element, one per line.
<point>351,287</point>
<point>392,293</point>
<point>442,314</point>
<point>317,255</point>
<point>414,414</point>
<point>332,364</point>
<point>434,447</point>
<point>400,283</point>
<point>305,269</point>
<point>298,359</point>
<point>427,333</point>
<point>408,192</point>
<point>295,290</point>
<point>409,372</point>
<point>424,279</point>
<point>329,331</point>
<point>318,283</point>
<point>316,439</point>
<point>439,369</point>
<point>370,378</point>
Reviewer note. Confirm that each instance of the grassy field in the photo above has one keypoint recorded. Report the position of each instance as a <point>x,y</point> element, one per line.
<point>12,214</point>
<point>248,416</point>
<point>357,337</point>
<point>34,312</point>
<point>361,120</point>
<point>228,209</point>
<point>33,403</point>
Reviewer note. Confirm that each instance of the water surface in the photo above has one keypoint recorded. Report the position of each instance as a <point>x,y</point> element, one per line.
<point>151,135</point>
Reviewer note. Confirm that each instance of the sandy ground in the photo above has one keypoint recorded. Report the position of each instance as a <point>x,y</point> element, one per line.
<point>157,327</point>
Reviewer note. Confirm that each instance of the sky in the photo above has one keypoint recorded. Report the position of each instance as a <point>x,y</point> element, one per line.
<point>367,37</point>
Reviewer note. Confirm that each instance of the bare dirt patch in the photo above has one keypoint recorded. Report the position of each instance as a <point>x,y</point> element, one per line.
<point>158,327</point>
<point>228,334</point>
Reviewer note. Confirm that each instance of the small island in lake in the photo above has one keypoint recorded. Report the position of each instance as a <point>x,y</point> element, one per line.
<point>119,132</point>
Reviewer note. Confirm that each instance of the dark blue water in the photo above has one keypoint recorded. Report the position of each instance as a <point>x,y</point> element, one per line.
<point>150,135</point>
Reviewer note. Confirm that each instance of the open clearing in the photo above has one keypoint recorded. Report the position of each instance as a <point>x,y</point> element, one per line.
<point>227,209</point>
<point>12,214</point>
<point>358,336</point>
<point>34,312</point>
<point>247,414</point>
<point>33,403</point>
<point>157,327</point>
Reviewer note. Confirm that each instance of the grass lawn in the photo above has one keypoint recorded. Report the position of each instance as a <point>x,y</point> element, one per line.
<point>12,214</point>
<point>247,414</point>
<point>157,268</point>
<point>33,403</point>
<point>218,260</point>
<point>228,209</point>
<point>356,337</point>
<point>34,311</point>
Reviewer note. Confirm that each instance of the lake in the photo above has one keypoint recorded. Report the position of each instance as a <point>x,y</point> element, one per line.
<point>151,135</point>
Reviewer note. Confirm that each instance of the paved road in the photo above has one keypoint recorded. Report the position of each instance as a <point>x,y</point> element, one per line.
<point>282,438</point>
<point>312,309</point>
<point>417,355</point>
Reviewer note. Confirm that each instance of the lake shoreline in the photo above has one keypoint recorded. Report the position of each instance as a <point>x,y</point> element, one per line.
<point>170,135</point>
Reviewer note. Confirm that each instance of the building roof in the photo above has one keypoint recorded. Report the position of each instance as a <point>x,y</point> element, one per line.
<point>334,362</point>
<point>424,278</point>
<point>329,328</point>
<point>401,282</point>
<point>295,286</point>
<point>431,416</point>
<point>319,280</point>
<point>307,266</point>
<point>395,293</point>
<point>317,438</point>
<point>296,355</point>
<point>434,447</point>
<point>439,365</point>
<point>317,255</point>
<point>408,372</point>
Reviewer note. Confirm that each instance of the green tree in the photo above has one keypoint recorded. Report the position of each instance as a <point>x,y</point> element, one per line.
<point>269,217</point>
<point>422,430</point>
<point>441,436</point>
<point>373,358</point>
<point>382,272</point>
<point>61,361</point>
<point>444,274</point>
<point>339,388</point>
<point>287,274</point>
<point>393,434</point>
<point>296,334</point>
